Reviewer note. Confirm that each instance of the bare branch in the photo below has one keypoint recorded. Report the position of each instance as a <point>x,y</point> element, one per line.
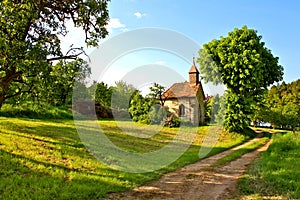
<point>67,57</point>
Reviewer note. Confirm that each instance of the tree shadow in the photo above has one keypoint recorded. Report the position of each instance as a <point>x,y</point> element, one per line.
<point>24,178</point>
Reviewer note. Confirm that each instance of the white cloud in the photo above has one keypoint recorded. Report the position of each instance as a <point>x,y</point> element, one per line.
<point>160,62</point>
<point>115,23</point>
<point>139,15</point>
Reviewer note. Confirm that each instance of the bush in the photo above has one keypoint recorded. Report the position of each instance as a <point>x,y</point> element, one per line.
<point>36,111</point>
<point>172,122</point>
<point>157,114</point>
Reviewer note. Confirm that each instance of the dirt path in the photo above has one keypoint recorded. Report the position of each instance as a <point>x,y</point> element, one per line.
<point>195,181</point>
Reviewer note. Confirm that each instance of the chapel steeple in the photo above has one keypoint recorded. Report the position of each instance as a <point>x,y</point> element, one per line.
<point>194,74</point>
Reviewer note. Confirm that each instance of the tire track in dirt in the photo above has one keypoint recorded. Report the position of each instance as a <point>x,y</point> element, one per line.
<point>196,181</point>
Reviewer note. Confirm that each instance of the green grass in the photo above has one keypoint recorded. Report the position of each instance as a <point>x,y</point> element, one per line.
<point>45,159</point>
<point>240,152</point>
<point>276,172</point>
<point>36,111</point>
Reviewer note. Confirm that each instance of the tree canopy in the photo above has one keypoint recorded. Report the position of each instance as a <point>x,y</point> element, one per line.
<point>281,106</point>
<point>30,33</point>
<point>103,94</point>
<point>122,95</point>
<point>245,66</point>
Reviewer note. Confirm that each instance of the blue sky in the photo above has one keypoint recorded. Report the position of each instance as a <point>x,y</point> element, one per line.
<point>277,21</point>
<point>202,21</point>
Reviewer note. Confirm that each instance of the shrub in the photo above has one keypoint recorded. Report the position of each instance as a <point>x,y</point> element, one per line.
<point>172,122</point>
<point>36,111</point>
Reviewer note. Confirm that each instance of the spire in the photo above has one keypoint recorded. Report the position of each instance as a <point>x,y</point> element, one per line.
<point>194,60</point>
<point>194,74</point>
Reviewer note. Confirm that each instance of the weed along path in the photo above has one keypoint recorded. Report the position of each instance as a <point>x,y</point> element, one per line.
<point>210,178</point>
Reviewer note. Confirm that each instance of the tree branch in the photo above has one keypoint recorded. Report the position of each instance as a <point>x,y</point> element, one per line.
<point>69,57</point>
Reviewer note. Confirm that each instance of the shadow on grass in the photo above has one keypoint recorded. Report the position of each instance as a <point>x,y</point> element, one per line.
<point>50,181</point>
<point>54,179</point>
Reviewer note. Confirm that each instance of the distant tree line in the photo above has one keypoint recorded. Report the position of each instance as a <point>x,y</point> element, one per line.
<point>124,97</point>
<point>279,105</point>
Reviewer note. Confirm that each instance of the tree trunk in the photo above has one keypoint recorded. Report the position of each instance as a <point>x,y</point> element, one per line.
<point>2,98</point>
<point>6,81</point>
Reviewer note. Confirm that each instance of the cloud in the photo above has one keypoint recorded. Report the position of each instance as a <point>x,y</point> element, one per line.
<point>160,62</point>
<point>115,23</point>
<point>139,15</point>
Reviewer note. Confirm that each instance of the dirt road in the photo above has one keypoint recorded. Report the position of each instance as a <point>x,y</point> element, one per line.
<point>196,181</point>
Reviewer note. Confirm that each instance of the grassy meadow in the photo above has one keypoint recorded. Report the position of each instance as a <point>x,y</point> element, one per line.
<point>45,159</point>
<point>277,172</point>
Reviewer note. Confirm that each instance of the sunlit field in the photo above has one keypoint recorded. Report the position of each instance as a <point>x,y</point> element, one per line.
<point>45,159</point>
<point>277,172</point>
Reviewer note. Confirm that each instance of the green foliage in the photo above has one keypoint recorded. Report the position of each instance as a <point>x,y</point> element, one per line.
<point>139,108</point>
<point>35,111</point>
<point>216,109</point>
<point>156,92</point>
<point>147,110</point>
<point>92,89</point>
<point>58,85</point>
<point>245,66</point>
<point>103,94</point>
<point>276,173</point>
<point>282,106</point>
<point>30,37</point>
<point>55,86</point>
<point>238,112</point>
<point>122,94</point>
<point>208,108</point>
<point>172,122</point>
<point>157,114</point>
<point>81,91</point>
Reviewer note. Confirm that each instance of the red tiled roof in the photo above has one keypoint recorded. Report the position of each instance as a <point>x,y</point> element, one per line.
<point>184,89</point>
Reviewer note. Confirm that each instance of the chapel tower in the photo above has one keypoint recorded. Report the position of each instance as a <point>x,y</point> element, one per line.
<point>193,74</point>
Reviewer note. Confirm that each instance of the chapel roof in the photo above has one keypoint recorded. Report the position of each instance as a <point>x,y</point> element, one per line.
<point>184,89</point>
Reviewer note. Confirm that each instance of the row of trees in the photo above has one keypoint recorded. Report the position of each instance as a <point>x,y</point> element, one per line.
<point>281,106</point>
<point>125,97</point>
<point>54,85</point>
<point>30,41</point>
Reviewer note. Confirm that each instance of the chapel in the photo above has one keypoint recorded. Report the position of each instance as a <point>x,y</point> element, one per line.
<point>186,99</point>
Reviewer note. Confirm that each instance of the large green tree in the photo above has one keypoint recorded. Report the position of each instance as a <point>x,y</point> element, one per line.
<point>30,37</point>
<point>245,66</point>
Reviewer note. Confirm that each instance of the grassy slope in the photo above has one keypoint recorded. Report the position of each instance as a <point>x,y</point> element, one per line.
<point>276,172</point>
<point>44,159</point>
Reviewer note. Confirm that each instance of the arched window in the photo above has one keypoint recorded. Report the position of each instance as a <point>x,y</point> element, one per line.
<point>181,110</point>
